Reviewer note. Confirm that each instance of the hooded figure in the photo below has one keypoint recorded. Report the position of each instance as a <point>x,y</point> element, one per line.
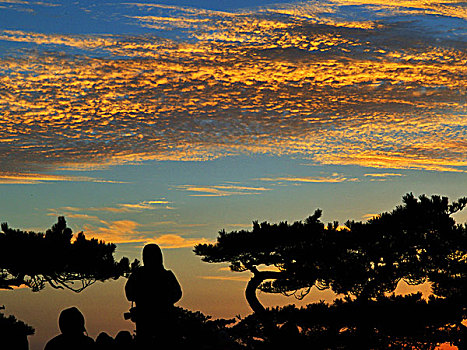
<point>71,324</point>
<point>155,290</point>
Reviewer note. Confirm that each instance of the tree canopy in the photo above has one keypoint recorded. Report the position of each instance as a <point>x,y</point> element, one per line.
<point>56,258</point>
<point>363,262</point>
<point>418,241</point>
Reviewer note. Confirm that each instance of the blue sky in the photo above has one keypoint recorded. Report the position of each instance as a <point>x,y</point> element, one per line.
<point>167,122</point>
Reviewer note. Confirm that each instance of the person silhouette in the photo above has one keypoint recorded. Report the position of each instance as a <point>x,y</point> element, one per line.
<point>154,290</point>
<point>124,341</point>
<point>71,324</point>
<point>105,342</point>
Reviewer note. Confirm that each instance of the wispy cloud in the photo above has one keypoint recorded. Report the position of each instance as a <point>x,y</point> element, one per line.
<point>148,205</point>
<point>120,231</point>
<point>31,178</point>
<point>221,190</point>
<point>23,2</point>
<point>172,241</point>
<point>122,207</point>
<point>334,178</point>
<point>382,176</point>
<point>176,224</point>
<point>226,278</point>
<point>78,216</point>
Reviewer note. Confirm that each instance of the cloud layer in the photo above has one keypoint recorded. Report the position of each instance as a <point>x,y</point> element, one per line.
<point>315,80</point>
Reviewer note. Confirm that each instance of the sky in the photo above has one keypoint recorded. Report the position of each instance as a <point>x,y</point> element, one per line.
<point>169,121</point>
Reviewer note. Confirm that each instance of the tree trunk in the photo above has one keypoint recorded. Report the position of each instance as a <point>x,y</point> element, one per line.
<point>254,283</point>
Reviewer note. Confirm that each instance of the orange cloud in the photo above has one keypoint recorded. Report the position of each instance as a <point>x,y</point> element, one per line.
<point>120,231</point>
<point>30,178</point>
<point>369,216</point>
<point>129,231</point>
<point>280,86</point>
<point>398,160</point>
<point>172,241</point>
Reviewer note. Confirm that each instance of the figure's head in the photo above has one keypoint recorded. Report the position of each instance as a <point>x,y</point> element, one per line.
<point>152,255</point>
<point>124,338</point>
<point>104,341</point>
<point>71,321</point>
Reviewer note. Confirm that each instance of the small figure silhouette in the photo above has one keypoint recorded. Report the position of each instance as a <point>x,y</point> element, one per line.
<point>105,342</point>
<point>71,324</point>
<point>155,290</point>
<point>124,341</point>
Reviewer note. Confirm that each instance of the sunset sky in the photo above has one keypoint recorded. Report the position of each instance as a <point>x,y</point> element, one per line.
<point>168,121</point>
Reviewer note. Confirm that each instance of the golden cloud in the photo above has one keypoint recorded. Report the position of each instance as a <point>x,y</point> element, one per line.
<point>120,231</point>
<point>172,241</point>
<point>30,178</point>
<point>369,216</point>
<point>288,80</point>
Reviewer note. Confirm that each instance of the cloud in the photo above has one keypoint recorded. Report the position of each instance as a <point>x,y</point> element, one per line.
<point>369,216</point>
<point>176,224</point>
<point>398,160</point>
<point>221,190</point>
<point>130,231</point>
<point>31,178</point>
<point>302,80</point>
<point>148,205</point>
<point>335,178</point>
<point>124,207</point>
<point>77,216</point>
<point>120,231</point>
<point>226,278</point>
<point>382,176</point>
<point>22,2</point>
<point>225,268</point>
<point>172,241</point>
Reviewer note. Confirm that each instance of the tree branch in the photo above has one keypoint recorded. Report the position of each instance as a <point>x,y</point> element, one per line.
<point>253,284</point>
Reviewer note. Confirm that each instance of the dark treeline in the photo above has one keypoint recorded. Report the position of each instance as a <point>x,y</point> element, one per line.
<point>361,262</point>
